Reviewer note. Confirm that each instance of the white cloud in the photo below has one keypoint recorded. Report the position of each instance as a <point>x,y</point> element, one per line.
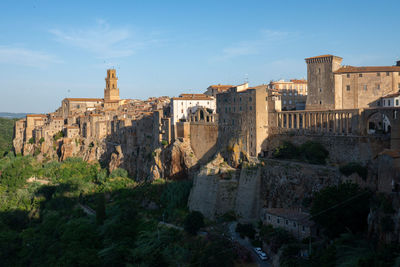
<point>266,39</point>
<point>26,57</point>
<point>102,40</point>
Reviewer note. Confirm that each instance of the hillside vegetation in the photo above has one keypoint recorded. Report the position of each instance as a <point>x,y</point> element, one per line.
<point>76,214</point>
<point>6,134</point>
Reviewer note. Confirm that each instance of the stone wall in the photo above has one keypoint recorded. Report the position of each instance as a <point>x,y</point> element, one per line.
<point>203,139</point>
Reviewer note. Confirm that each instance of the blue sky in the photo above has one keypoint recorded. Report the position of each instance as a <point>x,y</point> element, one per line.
<point>50,50</point>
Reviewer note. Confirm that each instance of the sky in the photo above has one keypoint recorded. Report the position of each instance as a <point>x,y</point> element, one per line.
<point>50,50</point>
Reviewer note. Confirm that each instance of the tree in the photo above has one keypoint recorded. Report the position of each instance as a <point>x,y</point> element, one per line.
<point>193,222</point>
<point>341,208</point>
<point>100,209</point>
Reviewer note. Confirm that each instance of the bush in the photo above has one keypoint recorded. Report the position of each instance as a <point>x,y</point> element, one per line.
<point>313,152</point>
<point>354,167</point>
<point>164,142</point>
<point>119,172</point>
<point>58,135</point>
<point>245,230</point>
<point>286,151</point>
<point>193,222</point>
<point>31,141</point>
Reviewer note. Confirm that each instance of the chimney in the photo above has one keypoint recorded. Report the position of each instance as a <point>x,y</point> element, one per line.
<point>398,63</point>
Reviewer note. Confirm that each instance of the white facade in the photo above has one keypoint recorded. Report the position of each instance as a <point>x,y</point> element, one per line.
<point>393,101</point>
<point>182,106</point>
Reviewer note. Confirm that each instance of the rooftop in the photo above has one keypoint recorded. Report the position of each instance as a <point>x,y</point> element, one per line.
<point>291,214</point>
<point>322,56</point>
<point>392,95</point>
<point>193,97</point>
<point>84,99</point>
<point>352,69</point>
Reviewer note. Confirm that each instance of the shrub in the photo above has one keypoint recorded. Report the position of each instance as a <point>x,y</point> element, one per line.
<point>313,152</point>
<point>354,167</point>
<point>119,172</point>
<point>58,135</point>
<point>245,230</point>
<point>164,142</point>
<point>286,151</point>
<point>41,140</point>
<point>31,140</point>
<point>193,222</point>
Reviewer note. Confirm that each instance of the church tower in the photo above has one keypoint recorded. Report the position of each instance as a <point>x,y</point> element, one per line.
<point>111,92</point>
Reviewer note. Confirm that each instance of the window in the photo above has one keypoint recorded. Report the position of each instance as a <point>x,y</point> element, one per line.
<point>378,74</point>
<point>269,217</point>
<point>240,108</point>
<point>181,110</point>
<point>287,222</point>
<point>303,228</point>
<point>284,94</point>
<point>387,73</point>
<point>397,102</point>
<point>250,99</point>
<point>348,75</point>
<point>319,70</point>
<point>251,108</point>
<point>320,102</point>
<point>365,87</point>
<point>320,90</point>
<point>290,102</point>
<point>360,75</point>
<point>277,220</point>
<point>284,102</point>
<point>384,102</point>
<point>295,93</point>
<point>348,87</point>
<point>240,99</point>
<point>378,86</point>
<point>294,224</point>
<point>290,93</point>
<point>388,103</point>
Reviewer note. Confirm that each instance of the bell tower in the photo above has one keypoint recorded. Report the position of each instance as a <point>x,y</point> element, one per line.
<point>111,92</point>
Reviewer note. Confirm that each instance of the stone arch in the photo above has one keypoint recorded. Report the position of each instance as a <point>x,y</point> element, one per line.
<point>379,122</point>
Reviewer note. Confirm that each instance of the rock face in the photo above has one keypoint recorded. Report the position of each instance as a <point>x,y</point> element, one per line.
<point>246,191</point>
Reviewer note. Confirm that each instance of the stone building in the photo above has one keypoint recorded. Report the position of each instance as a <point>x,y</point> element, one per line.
<point>213,90</point>
<point>296,222</point>
<point>242,114</point>
<point>333,86</point>
<point>293,92</point>
<point>391,100</point>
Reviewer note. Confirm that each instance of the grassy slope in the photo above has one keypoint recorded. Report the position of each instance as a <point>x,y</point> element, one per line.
<point>6,134</point>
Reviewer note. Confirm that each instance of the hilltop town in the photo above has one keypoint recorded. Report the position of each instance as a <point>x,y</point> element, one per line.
<point>259,151</point>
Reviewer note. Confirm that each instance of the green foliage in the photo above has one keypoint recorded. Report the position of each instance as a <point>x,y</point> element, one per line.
<point>276,237</point>
<point>41,140</point>
<point>310,151</point>
<point>175,196</point>
<point>164,142</point>
<point>31,141</point>
<point>313,152</point>
<point>6,134</point>
<point>245,230</point>
<point>286,151</point>
<point>354,167</point>
<point>100,209</point>
<point>342,208</point>
<point>193,222</point>
<point>42,223</point>
<point>58,135</point>
<point>119,172</point>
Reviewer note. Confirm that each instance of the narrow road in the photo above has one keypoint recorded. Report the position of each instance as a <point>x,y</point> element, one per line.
<point>235,236</point>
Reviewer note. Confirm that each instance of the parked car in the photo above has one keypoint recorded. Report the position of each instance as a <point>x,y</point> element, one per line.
<point>263,256</point>
<point>257,250</point>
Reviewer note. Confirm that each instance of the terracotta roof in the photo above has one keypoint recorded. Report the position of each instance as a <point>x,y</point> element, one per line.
<point>392,153</point>
<point>84,99</point>
<point>220,86</point>
<point>392,95</point>
<point>322,56</point>
<point>72,127</point>
<point>193,97</point>
<point>298,81</point>
<point>351,69</point>
<point>95,115</point>
<point>36,115</point>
